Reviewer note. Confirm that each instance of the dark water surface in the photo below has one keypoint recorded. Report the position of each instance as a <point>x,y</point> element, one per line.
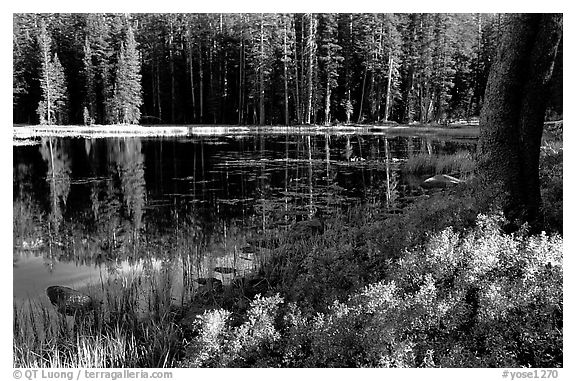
<point>87,209</point>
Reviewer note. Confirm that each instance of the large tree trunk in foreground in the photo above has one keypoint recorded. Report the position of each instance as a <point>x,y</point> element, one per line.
<point>512,117</point>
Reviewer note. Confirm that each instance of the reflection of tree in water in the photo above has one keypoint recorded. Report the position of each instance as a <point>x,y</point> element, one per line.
<point>323,172</point>
<point>55,153</point>
<point>208,199</point>
<point>117,203</point>
<point>27,213</point>
<point>129,159</point>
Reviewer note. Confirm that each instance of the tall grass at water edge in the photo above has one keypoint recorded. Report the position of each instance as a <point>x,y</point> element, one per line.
<point>461,163</point>
<point>118,334</point>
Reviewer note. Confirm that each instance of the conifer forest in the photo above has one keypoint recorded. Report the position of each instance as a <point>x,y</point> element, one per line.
<point>250,69</point>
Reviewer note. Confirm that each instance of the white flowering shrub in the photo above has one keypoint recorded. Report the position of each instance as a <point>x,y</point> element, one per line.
<point>480,298</point>
<point>218,344</point>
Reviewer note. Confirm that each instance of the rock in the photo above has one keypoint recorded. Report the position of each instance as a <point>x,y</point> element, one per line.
<point>440,181</point>
<point>69,301</point>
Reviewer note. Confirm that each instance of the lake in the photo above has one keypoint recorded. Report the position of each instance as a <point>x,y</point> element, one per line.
<point>87,210</point>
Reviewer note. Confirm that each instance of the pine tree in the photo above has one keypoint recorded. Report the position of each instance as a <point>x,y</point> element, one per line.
<point>89,112</point>
<point>442,78</point>
<point>61,100</point>
<point>125,103</point>
<point>331,59</point>
<point>346,29</point>
<point>26,64</point>
<point>52,107</point>
<point>310,46</point>
<point>101,51</point>
<point>259,57</point>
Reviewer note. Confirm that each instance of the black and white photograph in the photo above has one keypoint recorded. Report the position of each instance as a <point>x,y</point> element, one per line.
<point>287,190</point>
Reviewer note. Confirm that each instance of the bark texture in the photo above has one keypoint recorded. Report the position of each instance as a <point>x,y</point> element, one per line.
<point>512,117</point>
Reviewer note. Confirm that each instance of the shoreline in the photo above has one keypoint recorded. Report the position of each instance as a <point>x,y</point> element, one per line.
<point>23,132</point>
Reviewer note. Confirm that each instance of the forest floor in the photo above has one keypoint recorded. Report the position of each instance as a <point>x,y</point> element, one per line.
<point>23,132</point>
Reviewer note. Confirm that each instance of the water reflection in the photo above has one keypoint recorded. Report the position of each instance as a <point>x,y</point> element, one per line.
<point>188,205</point>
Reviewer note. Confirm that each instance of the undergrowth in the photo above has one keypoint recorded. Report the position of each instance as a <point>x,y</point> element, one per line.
<point>476,299</point>
<point>440,285</point>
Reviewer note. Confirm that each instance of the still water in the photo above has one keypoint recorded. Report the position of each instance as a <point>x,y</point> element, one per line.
<point>87,209</point>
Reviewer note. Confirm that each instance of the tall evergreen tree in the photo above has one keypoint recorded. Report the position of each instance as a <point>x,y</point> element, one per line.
<point>288,62</point>
<point>102,52</point>
<point>442,78</point>
<point>89,84</point>
<point>25,68</point>
<point>310,22</point>
<point>330,58</point>
<point>52,107</point>
<point>125,103</point>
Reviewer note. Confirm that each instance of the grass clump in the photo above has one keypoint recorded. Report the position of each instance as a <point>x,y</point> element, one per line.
<point>116,335</point>
<point>461,163</point>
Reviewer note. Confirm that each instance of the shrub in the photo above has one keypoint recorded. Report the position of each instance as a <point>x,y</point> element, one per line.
<point>478,298</point>
<point>217,344</point>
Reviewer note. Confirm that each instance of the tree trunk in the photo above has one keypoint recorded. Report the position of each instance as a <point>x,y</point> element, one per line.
<point>172,73</point>
<point>262,119</point>
<point>48,89</point>
<point>513,114</point>
<point>327,104</point>
<point>201,89</point>
<point>191,65</point>
<point>241,78</point>
<point>362,94</point>
<point>388,87</point>
<point>286,119</point>
<point>311,45</point>
<point>297,80</point>
<point>211,92</point>
<point>158,97</point>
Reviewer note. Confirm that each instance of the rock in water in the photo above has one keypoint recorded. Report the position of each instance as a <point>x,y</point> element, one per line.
<point>440,181</point>
<point>69,301</point>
